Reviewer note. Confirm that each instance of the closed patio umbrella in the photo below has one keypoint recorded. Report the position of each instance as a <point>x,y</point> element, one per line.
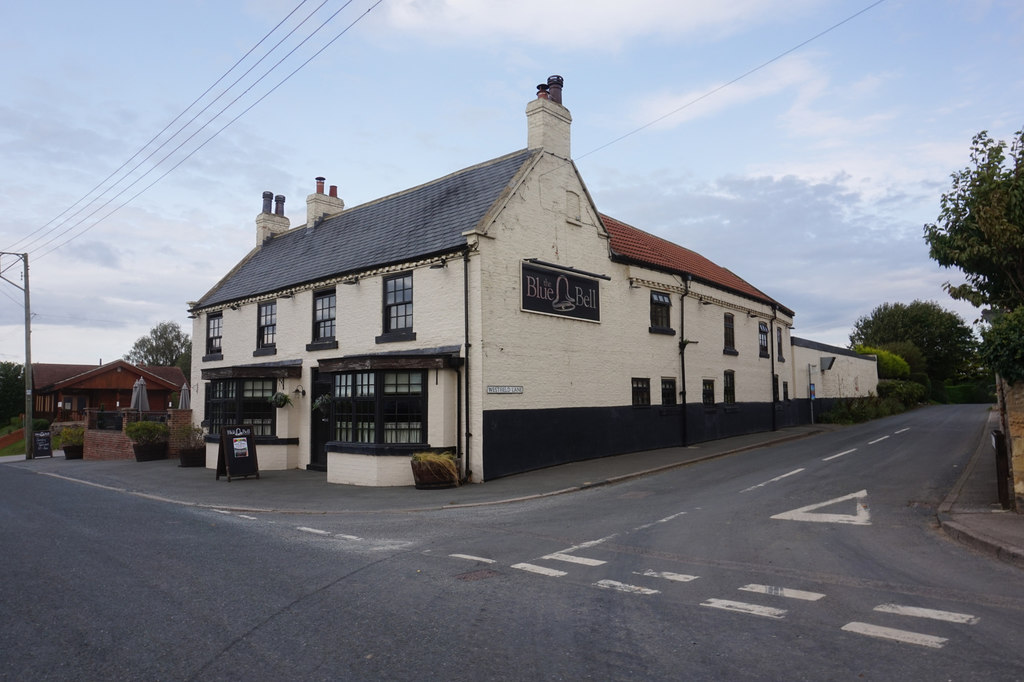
<point>184,398</point>
<point>140,399</point>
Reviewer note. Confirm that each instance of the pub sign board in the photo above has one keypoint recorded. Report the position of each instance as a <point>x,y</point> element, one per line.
<point>566,294</point>
<point>236,455</point>
<point>43,446</point>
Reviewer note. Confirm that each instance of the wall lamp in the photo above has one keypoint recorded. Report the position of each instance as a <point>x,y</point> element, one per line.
<point>705,303</point>
<point>440,265</point>
<point>299,390</point>
<point>751,314</point>
<point>234,306</point>
<point>350,280</point>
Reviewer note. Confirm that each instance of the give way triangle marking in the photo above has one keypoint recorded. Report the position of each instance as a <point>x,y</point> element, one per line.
<point>860,518</point>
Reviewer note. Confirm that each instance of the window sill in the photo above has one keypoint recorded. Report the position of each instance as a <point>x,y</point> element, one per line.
<point>326,344</point>
<point>730,351</point>
<point>212,357</point>
<point>668,331</point>
<point>392,337</point>
<point>389,449</point>
<point>763,355</point>
<point>260,352</point>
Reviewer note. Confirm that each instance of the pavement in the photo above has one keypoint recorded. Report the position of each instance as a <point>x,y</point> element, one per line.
<point>970,513</point>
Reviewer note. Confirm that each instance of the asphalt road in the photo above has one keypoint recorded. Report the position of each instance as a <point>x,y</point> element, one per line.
<point>817,559</point>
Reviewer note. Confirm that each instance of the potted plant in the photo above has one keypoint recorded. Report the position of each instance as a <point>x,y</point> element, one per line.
<point>192,441</point>
<point>72,442</point>
<point>149,440</point>
<point>280,399</point>
<point>434,470</point>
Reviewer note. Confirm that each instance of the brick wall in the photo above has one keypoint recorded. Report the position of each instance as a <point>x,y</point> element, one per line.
<point>106,445</point>
<point>176,420</point>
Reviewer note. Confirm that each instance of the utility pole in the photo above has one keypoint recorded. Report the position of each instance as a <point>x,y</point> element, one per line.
<point>29,440</point>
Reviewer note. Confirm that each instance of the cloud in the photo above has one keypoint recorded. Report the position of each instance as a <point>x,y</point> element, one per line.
<point>600,24</point>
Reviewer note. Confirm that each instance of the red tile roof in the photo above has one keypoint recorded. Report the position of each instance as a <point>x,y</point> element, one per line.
<point>630,244</point>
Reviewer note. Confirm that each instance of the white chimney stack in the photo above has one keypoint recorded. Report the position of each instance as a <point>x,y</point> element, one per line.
<point>319,205</point>
<point>547,121</point>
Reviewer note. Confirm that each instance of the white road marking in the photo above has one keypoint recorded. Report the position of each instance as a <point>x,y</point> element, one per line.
<point>783,592</point>
<point>572,559</point>
<point>844,452</point>
<point>743,607</point>
<point>470,557</point>
<point>540,569</point>
<point>861,518</point>
<point>221,511</point>
<point>897,635</point>
<point>664,520</point>
<point>916,612</point>
<point>877,440</point>
<point>347,537</point>
<point>902,430</point>
<point>624,587</point>
<point>777,478</point>
<point>315,531</point>
<point>243,516</point>
<point>678,577</point>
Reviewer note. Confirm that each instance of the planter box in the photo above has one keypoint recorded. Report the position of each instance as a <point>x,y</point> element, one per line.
<point>193,457</point>
<point>73,451</point>
<point>149,452</point>
<point>430,477</point>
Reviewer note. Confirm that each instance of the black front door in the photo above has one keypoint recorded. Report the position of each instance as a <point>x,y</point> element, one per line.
<point>320,425</point>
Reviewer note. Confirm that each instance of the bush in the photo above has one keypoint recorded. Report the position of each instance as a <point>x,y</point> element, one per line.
<point>1002,348</point>
<point>909,393</point>
<point>977,392</point>
<point>145,432</point>
<point>71,435</point>
<point>890,365</point>
<point>40,424</point>
<point>857,410</point>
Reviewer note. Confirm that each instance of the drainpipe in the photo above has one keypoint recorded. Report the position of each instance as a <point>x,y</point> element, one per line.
<point>683,427</point>
<point>467,345</point>
<point>775,385</point>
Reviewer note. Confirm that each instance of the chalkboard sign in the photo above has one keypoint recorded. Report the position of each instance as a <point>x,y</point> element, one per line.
<point>42,448</point>
<point>236,455</point>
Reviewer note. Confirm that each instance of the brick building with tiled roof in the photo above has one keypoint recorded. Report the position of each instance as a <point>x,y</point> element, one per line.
<point>497,314</point>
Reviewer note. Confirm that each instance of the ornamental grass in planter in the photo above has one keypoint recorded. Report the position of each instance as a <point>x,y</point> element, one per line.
<point>72,441</point>
<point>149,440</point>
<point>193,446</point>
<point>434,470</point>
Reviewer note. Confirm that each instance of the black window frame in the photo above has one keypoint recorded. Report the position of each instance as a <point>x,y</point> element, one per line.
<point>241,401</point>
<point>785,391</point>
<point>266,325</point>
<point>707,392</point>
<point>668,391</point>
<point>397,308</point>
<point>729,387</point>
<point>729,334</point>
<point>778,344</point>
<point>661,313</point>
<point>641,391</point>
<point>762,339</point>
<point>325,316</point>
<point>775,388</point>
<point>365,402</point>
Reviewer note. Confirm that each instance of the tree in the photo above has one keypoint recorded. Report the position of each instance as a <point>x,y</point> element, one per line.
<point>889,365</point>
<point>12,391</point>
<point>981,231</point>
<point>166,345</point>
<point>947,343</point>
<point>981,225</point>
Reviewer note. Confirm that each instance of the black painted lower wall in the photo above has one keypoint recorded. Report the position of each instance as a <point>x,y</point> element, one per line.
<point>523,440</point>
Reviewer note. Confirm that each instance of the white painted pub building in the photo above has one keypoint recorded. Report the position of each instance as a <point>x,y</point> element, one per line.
<point>497,314</point>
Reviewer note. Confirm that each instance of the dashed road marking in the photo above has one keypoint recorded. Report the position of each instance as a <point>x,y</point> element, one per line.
<point>573,559</point>
<point>904,636</point>
<point>677,577</point>
<point>777,478</point>
<point>222,511</point>
<point>877,440</point>
<point>743,607</point>
<point>844,452</point>
<point>543,570</point>
<point>470,557</point>
<point>244,516</point>
<point>917,612</point>
<point>902,430</point>
<point>315,531</point>
<point>624,587</point>
<point>783,592</point>
<point>664,520</point>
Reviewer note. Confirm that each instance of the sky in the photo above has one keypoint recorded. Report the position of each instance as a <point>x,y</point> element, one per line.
<point>802,144</point>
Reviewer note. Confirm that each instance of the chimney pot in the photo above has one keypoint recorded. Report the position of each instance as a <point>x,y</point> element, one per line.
<point>279,205</point>
<point>555,88</point>
<point>320,185</point>
<point>334,191</point>
<point>268,197</point>
<point>542,91</point>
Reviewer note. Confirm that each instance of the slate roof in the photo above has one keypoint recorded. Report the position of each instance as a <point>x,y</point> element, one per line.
<point>415,223</point>
<point>631,245</point>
